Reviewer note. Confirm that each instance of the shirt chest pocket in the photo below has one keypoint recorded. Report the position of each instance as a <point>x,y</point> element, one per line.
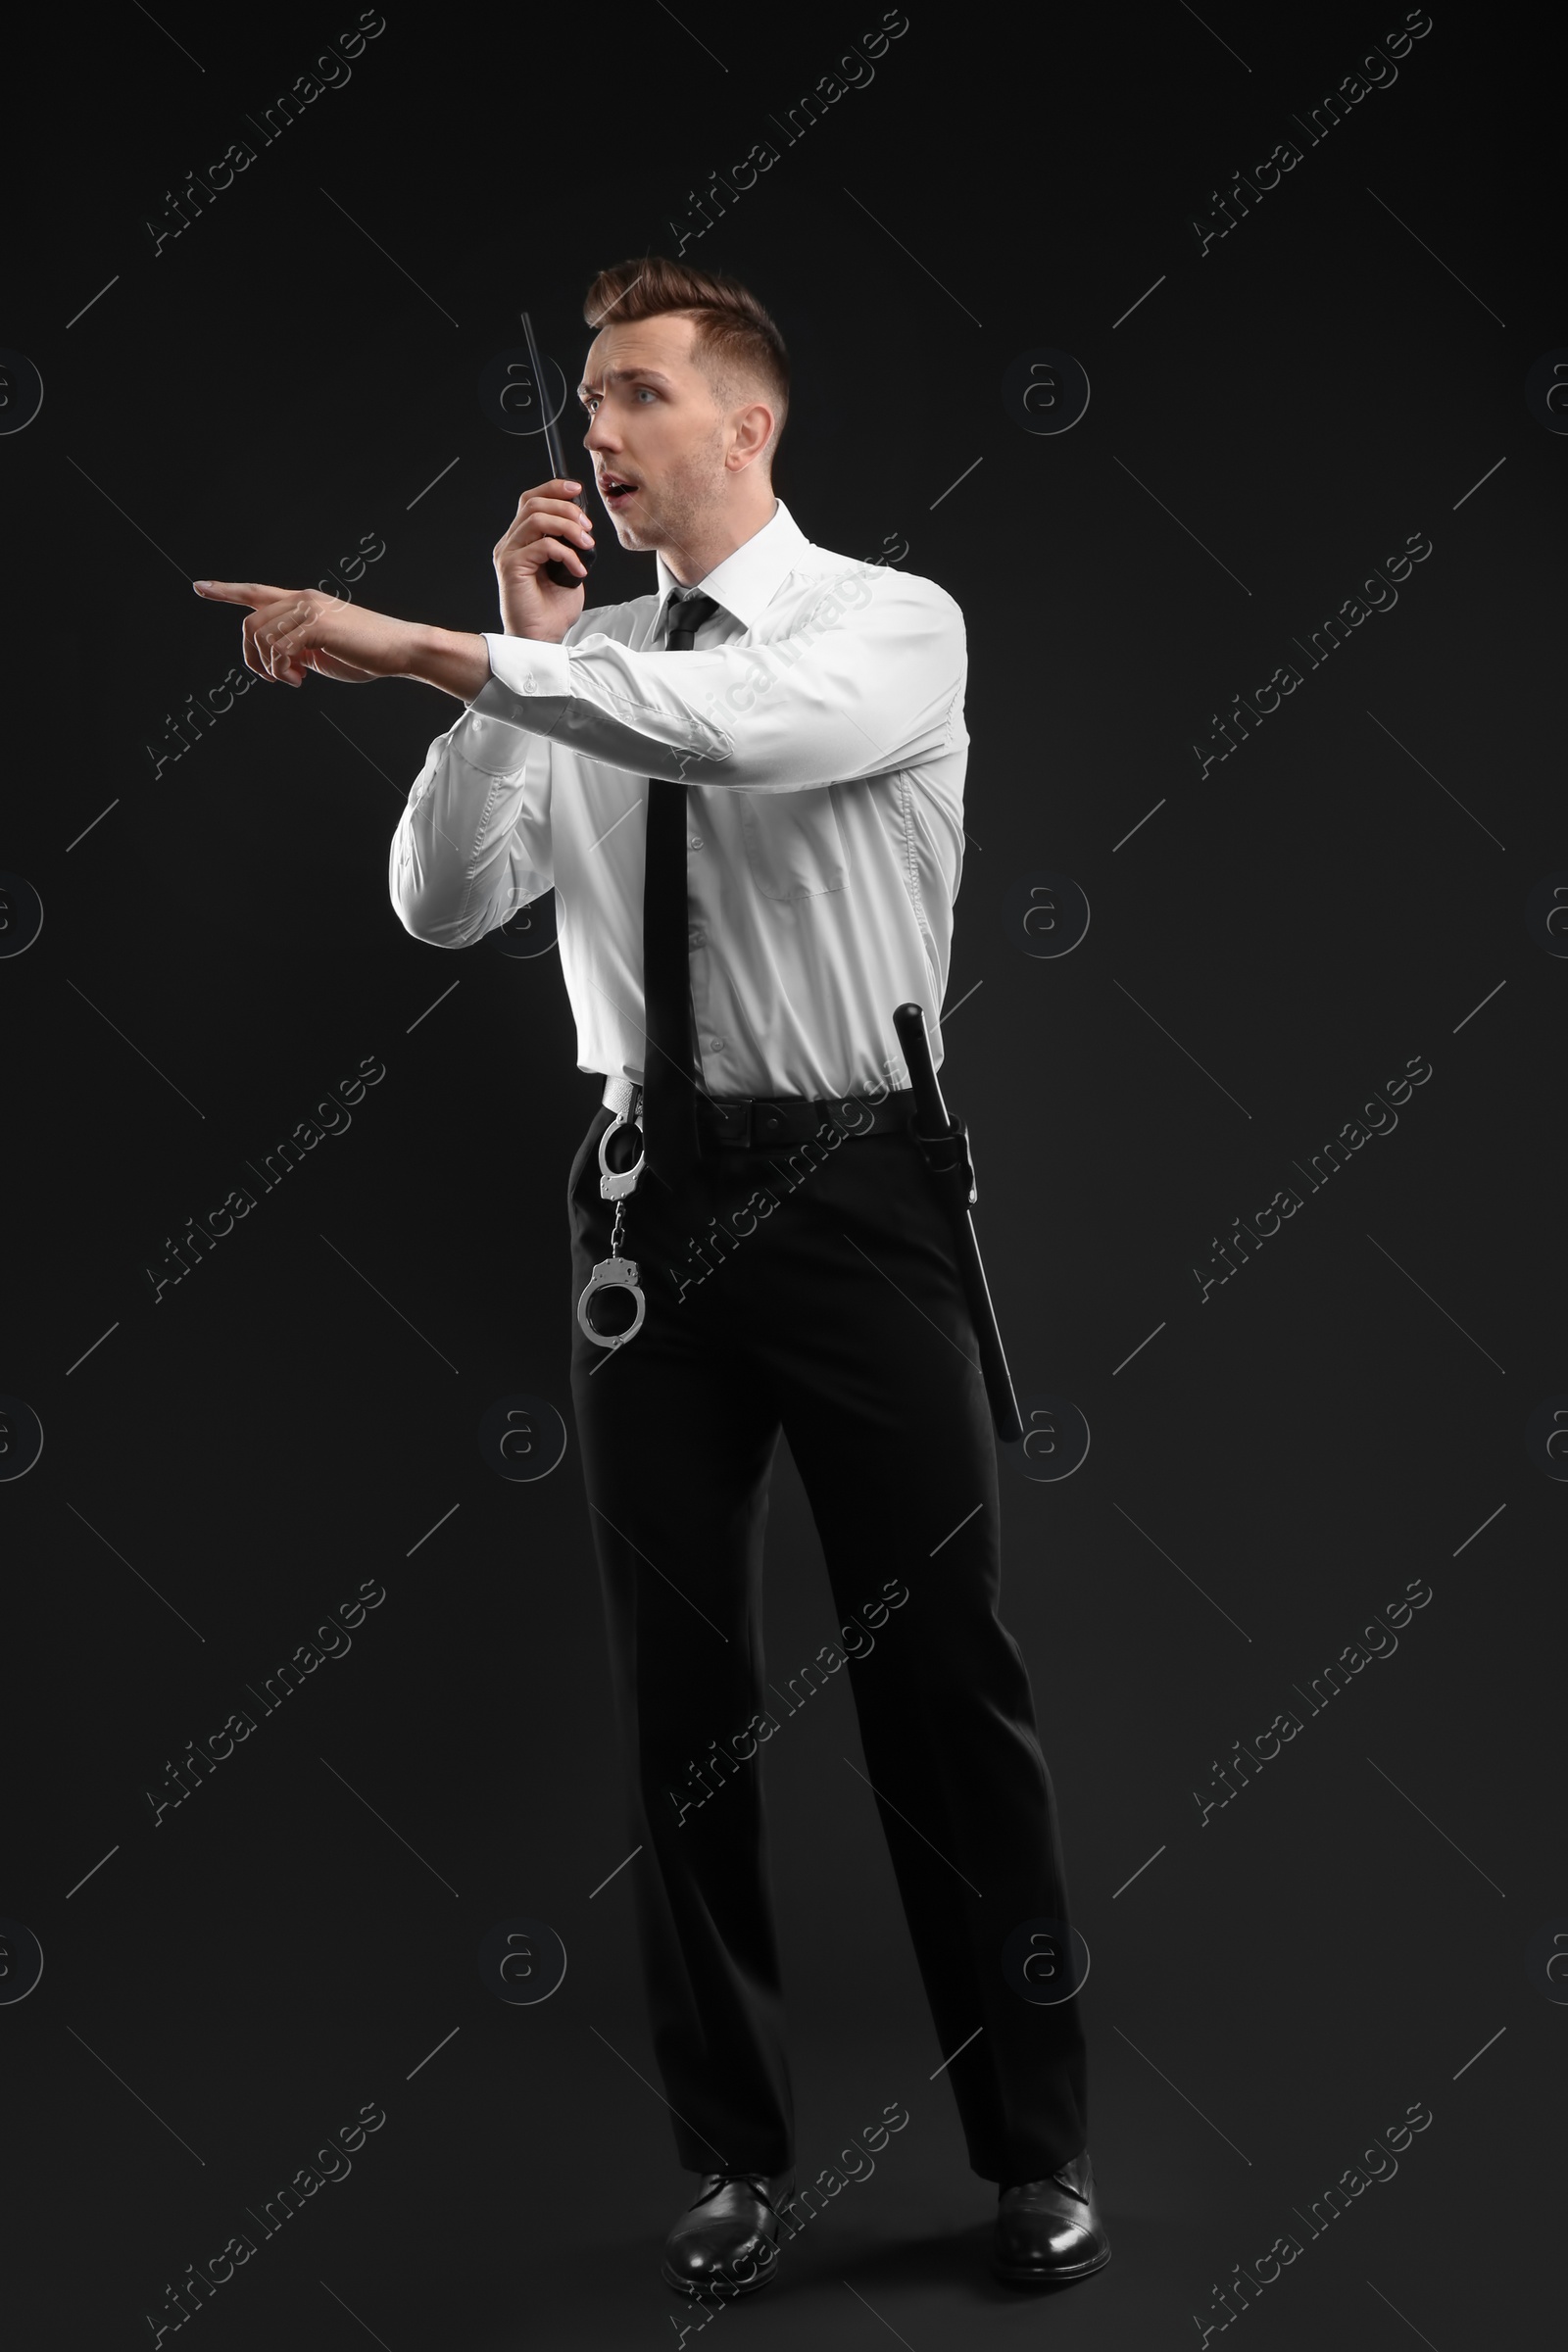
<point>794,844</point>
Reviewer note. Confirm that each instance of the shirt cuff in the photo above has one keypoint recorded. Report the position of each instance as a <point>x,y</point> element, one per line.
<point>522,670</point>
<point>495,701</point>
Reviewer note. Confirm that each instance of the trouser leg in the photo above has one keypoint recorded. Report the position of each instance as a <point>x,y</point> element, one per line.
<point>677,1441</point>
<point>858,1318</point>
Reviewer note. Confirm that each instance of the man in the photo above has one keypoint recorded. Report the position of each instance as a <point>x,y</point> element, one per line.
<point>749,802</point>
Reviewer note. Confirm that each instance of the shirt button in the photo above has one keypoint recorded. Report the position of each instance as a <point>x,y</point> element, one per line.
<point>694,841</point>
<point>716,1044</point>
<point>696,938</point>
<point>527,686</point>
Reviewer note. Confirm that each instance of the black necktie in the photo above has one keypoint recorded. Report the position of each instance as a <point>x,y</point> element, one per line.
<point>669,1083</point>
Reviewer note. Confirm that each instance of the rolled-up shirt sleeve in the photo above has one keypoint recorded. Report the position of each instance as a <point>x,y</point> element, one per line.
<point>869,680</point>
<point>473,842</point>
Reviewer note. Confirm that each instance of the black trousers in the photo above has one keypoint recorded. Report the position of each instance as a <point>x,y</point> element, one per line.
<point>833,1311</point>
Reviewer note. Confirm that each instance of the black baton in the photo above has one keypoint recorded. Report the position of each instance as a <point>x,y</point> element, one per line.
<point>944,1148</point>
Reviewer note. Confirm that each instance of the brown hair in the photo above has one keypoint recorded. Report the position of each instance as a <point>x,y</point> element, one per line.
<point>734,334</point>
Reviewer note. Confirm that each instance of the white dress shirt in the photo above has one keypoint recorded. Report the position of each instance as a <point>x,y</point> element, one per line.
<point>819,724</point>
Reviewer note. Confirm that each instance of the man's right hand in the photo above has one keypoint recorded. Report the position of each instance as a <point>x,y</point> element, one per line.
<point>548,527</point>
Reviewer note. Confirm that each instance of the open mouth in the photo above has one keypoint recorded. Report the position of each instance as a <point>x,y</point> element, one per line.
<point>616,490</point>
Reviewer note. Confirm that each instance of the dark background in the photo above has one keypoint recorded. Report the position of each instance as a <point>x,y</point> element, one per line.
<point>1277,939</point>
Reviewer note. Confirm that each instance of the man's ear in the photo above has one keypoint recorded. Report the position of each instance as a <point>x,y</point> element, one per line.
<point>755,430</point>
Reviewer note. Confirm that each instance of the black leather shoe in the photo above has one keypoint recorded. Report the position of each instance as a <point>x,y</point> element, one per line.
<point>727,2241</point>
<point>1050,2231</point>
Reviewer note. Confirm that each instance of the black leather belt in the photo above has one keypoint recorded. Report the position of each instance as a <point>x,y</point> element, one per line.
<point>755,1122</point>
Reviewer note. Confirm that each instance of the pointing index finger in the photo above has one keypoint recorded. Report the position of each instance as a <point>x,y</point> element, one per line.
<point>237,592</point>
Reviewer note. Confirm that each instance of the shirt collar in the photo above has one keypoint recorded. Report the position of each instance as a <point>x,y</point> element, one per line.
<point>749,578</point>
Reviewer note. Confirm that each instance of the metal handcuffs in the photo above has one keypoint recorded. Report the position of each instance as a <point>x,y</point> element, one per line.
<point>615,1272</point>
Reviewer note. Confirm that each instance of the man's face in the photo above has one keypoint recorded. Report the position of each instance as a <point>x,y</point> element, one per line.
<point>653,423</point>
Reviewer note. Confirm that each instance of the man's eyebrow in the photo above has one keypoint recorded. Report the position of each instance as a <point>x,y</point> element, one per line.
<point>618,375</point>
